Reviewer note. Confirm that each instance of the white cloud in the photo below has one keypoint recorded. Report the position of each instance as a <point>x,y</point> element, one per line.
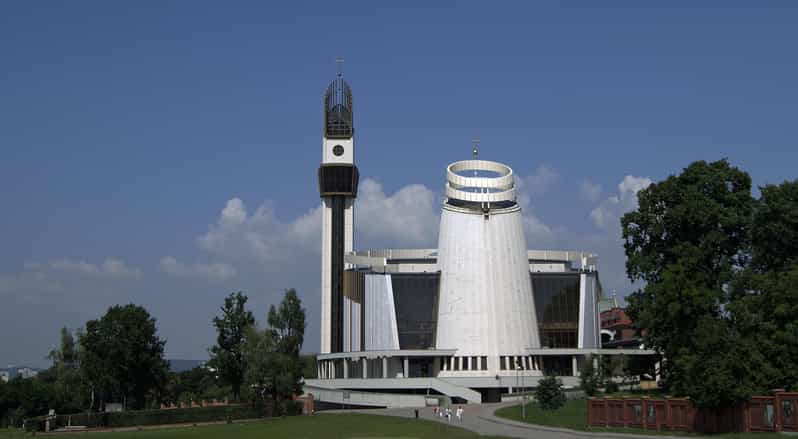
<point>590,191</point>
<point>28,282</point>
<point>606,215</point>
<point>238,234</point>
<point>66,277</point>
<point>537,232</point>
<point>109,268</point>
<point>408,217</point>
<point>217,271</point>
<point>538,183</point>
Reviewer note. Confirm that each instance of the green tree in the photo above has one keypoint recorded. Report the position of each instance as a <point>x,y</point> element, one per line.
<point>775,228</point>
<point>549,393</point>
<point>589,377</point>
<point>287,324</point>
<point>64,378</point>
<point>287,328</point>
<point>686,241</point>
<point>199,382</point>
<point>66,356</point>
<point>227,355</point>
<point>260,355</point>
<point>765,298</point>
<point>766,309</point>
<point>309,370</point>
<point>275,367</point>
<point>122,356</point>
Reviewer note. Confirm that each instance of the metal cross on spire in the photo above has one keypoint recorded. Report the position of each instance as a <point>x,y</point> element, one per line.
<point>475,142</point>
<point>339,64</point>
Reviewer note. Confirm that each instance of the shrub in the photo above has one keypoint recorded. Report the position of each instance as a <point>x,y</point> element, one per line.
<point>589,378</point>
<point>153,417</point>
<point>549,393</point>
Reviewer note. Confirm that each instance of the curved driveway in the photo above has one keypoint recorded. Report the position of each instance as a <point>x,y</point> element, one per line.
<point>479,418</point>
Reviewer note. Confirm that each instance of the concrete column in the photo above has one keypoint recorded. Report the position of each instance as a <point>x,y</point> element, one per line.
<point>468,363</point>
<point>576,368</point>
<point>346,368</point>
<point>365,368</point>
<point>385,367</point>
<point>406,367</point>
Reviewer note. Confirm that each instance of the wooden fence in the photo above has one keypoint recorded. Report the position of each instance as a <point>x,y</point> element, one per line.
<point>778,412</point>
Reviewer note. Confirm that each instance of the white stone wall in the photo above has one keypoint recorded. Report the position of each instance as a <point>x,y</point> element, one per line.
<point>380,321</point>
<point>486,305</point>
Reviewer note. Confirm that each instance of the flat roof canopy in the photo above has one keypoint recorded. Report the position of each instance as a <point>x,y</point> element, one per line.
<point>567,351</point>
<point>391,353</point>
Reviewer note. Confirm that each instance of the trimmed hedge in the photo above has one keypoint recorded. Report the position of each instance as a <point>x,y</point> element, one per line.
<point>165,417</point>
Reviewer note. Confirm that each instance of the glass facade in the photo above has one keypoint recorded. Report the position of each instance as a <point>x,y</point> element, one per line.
<point>416,299</point>
<point>557,307</point>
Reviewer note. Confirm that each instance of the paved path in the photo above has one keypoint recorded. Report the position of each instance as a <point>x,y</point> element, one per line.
<point>479,418</point>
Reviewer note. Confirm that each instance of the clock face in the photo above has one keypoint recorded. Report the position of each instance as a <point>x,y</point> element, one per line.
<point>338,150</point>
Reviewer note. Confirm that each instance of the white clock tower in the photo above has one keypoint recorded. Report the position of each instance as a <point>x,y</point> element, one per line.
<point>338,178</point>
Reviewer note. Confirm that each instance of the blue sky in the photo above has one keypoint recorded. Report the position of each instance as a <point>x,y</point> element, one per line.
<point>164,153</point>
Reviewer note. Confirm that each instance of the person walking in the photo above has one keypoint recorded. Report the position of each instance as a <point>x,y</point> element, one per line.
<point>449,415</point>
<point>460,414</point>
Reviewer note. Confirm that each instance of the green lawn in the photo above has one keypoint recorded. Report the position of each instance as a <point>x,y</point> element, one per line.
<point>332,426</point>
<point>574,416</point>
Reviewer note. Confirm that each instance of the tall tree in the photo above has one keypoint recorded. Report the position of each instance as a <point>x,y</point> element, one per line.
<point>686,241</point>
<point>122,355</point>
<point>765,302</point>
<point>227,355</point>
<point>275,367</point>
<point>775,228</point>
<point>64,377</point>
<point>287,324</point>
<point>66,355</point>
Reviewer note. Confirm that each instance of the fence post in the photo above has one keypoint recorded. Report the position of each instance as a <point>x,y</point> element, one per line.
<point>644,410</point>
<point>777,409</point>
<point>625,411</point>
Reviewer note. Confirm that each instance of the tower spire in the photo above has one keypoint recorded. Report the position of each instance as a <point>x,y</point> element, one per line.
<point>475,142</point>
<point>339,66</point>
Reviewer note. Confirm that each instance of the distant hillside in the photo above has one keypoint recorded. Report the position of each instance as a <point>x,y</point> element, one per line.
<point>177,365</point>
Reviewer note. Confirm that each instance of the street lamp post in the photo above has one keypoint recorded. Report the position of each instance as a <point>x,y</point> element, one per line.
<point>520,377</point>
<point>523,398</point>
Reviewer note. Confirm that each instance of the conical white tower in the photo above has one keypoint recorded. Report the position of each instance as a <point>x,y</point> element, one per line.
<point>486,305</point>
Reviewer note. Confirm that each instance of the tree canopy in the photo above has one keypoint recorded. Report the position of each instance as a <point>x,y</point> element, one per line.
<point>275,367</point>
<point>122,357</point>
<point>715,264</point>
<point>227,356</point>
